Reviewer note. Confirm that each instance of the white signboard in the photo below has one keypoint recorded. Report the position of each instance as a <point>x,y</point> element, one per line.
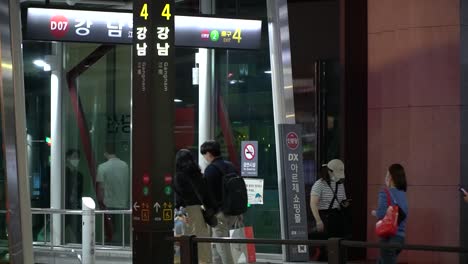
<point>254,190</point>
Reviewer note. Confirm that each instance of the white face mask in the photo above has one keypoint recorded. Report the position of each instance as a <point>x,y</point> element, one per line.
<point>74,162</point>
<point>387,180</point>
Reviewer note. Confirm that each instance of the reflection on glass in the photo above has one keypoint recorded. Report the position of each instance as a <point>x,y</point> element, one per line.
<point>37,83</point>
<point>245,113</point>
<point>4,257</point>
<point>96,126</point>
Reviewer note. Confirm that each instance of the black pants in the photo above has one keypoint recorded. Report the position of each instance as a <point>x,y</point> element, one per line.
<point>333,221</point>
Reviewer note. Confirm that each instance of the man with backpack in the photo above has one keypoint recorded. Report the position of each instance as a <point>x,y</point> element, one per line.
<point>229,193</point>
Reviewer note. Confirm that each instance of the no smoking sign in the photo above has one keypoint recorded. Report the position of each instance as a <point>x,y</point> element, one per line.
<point>249,165</point>
<point>249,152</point>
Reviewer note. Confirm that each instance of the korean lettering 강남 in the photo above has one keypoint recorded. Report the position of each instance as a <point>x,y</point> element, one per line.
<point>163,51</point>
<point>141,33</point>
<point>114,30</point>
<point>141,50</point>
<point>83,26</point>
<point>163,33</point>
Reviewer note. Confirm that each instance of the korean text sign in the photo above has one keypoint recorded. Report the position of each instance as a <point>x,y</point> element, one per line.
<point>294,205</point>
<point>153,114</point>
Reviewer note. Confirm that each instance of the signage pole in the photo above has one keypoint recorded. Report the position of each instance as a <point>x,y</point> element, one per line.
<point>153,139</point>
<point>293,196</point>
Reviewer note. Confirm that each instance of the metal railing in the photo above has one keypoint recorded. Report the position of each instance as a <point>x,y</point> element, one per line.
<point>336,247</point>
<point>48,232</point>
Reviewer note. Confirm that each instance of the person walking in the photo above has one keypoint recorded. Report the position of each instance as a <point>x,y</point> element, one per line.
<point>395,182</point>
<point>191,192</point>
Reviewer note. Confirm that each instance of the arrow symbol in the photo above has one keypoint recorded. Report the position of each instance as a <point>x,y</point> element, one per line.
<point>136,206</point>
<point>157,206</point>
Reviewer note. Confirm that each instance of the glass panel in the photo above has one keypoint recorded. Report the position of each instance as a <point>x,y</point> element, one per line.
<point>4,256</point>
<point>96,132</point>
<point>186,102</point>
<point>37,82</point>
<point>245,105</point>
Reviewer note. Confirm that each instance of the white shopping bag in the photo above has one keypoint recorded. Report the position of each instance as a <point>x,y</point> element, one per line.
<point>239,251</point>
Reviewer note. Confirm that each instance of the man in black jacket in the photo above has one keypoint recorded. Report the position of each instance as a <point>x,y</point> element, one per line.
<point>211,151</point>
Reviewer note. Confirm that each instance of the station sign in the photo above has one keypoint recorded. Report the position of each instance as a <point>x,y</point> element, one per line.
<point>51,24</point>
<point>212,32</point>
<point>153,111</point>
<point>153,115</point>
<point>79,25</point>
<point>294,206</point>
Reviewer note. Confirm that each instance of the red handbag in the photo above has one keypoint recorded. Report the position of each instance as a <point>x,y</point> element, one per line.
<point>388,226</point>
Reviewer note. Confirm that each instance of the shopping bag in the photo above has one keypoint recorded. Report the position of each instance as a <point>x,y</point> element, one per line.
<point>243,253</point>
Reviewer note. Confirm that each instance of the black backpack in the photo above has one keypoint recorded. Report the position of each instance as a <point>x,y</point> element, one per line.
<point>234,193</point>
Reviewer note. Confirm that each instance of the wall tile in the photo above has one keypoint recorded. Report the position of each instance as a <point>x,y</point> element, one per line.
<point>434,149</point>
<point>435,66</point>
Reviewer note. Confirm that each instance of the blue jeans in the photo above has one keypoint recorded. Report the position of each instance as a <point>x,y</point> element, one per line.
<point>389,255</point>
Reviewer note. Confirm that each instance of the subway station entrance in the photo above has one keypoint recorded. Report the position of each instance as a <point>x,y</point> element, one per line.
<point>78,67</point>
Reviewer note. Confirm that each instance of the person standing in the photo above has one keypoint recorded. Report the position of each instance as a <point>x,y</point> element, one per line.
<point>74,192</point>
<point>214,175</point>
<point>191,192</point>
<point>113,189</point>
<point>396,185</point>
<point>328,201</point>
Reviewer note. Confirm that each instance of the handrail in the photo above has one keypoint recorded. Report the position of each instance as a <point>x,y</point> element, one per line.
<point>363,244</point>
<point>76,212</point>
<point>336,246</point>
<point>51,211</point>
<point>256,241</point>
<point>346,243</point>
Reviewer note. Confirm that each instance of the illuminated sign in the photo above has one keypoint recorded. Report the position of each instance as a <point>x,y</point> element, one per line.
<point>79,25</point>
<point>212,32</point>
<point>117,27</point>
<point>153,115</point>
<point>153,86</point>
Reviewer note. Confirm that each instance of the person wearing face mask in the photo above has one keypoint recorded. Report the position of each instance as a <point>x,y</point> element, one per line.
<point>73,180</point>
<point>328,201</point>
<point>73,194</point>
<point>214,173</point>
<point>395,182</point>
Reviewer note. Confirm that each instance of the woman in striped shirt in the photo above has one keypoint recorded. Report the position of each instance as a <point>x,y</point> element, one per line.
<point>328,198</point>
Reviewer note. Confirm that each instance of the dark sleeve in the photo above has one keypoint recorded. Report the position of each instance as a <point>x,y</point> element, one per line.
<point>178,201</point>
<point>212,180</point>
<point>177,198</point>
<point>211,175</point>
<point>200,185</point>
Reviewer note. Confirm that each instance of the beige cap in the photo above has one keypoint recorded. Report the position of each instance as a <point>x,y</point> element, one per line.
<point>337,168</point>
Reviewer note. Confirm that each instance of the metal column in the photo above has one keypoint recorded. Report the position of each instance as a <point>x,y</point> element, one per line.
<point>282,82</point>
<point>12,102</point>
<point>56,157</point>
<point>206,92</point>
